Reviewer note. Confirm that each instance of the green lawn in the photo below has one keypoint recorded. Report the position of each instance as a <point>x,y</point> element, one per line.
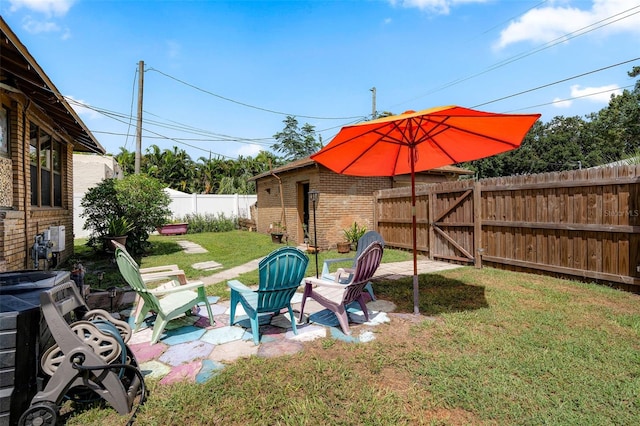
<point>493,348</point>
<point>230,249</point>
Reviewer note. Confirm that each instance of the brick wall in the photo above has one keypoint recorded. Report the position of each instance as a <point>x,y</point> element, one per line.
<point>343,200</point>
<point>15,243</point>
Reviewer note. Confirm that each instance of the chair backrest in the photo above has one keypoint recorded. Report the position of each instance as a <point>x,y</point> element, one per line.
<point>365,241</point>
<point>280,274</point>
<point>130,271</point>
<point>366,265</point>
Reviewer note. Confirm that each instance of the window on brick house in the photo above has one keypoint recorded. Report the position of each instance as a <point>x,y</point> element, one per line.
<point>4,132</point>
<point>46,168</point>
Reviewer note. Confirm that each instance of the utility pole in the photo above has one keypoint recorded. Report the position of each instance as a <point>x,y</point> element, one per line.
<point>373,103</point>
<point>139,126</point>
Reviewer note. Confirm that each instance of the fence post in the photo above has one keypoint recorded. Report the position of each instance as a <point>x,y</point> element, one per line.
<point>431,236</point>
<point>477,223</point>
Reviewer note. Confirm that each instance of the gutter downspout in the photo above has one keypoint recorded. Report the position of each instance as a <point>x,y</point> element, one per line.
<point>284,215</point>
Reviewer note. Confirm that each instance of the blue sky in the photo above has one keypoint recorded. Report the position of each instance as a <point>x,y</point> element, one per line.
<point>220,77</point>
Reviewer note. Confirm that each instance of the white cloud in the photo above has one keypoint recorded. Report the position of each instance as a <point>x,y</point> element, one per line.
<point>82,108</point>
<point>435,6</point>
<point>600,95</point>
<point>550,23</point>
<point>48,7</point>
<point>35,26</point>
<point>560,103</point>
<point>249,150</point>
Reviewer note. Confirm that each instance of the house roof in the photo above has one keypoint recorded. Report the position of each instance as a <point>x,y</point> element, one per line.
<point>20,73</point>
<point>307,162</point>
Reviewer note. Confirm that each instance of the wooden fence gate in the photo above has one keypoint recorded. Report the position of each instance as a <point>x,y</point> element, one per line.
<point>448,233</point>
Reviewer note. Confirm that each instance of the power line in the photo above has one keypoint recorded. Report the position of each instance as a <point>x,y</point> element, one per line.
<point>114,116</point>
<point>248,105</point>
<point>133,91</point>
<point>558,101</point>
<point>566,37</point>
<point>513,17</point>
<point>120,117</point>
<point>555,82</point>
<point>104,132</point>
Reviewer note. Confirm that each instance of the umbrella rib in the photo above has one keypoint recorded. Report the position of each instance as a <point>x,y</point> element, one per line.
<point>443,126</point>
<point>384,137</point>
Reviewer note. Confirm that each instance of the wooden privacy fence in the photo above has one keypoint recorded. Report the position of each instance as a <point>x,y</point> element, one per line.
<point>582,223</point>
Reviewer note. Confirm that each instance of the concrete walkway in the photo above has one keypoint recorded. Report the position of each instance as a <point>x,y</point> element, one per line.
<point>393,270</point>
<point>191,349</point>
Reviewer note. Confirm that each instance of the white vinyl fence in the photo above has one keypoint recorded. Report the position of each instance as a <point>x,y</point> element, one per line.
<point>231,206</point>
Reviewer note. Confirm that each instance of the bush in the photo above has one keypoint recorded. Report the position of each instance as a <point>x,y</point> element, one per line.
<point>100,203</point>
<point>139,199</point>
<point>353,233</point>
<point>209,223</point>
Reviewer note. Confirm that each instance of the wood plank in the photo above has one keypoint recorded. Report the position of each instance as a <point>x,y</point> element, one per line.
<point>559,184</point>
<point>477,220</point>
<point>454,258</point>
<point>566,226</point>
<point>454,243</point>
<point>567,271</point>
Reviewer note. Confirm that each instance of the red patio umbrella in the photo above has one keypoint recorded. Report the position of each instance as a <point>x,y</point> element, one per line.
<point>419,141</point>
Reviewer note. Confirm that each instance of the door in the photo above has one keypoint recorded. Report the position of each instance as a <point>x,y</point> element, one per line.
<point>303,211</point>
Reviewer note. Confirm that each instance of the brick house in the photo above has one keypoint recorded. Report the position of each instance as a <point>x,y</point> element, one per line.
<point>343,199</point>
<point>38,133</point>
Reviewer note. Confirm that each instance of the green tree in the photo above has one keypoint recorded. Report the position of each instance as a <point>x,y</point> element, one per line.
<point>173,167</point>
<point>145,204</point>
<point>99,204</point>
<point>126,160</point>
<point>295,143</point>
<point>138,198</point>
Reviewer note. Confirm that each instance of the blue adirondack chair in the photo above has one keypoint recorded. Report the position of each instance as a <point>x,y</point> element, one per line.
<point>280,275</point>
<point>363,243</point>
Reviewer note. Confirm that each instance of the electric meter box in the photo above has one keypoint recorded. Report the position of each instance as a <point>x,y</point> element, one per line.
<point>56,235</point>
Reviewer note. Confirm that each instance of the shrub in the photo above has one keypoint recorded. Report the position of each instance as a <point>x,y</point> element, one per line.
<point>100,203</point>
<point>353,233</point>
<point>209,223</point>
<point>118,226</point>
<point>139,199</point>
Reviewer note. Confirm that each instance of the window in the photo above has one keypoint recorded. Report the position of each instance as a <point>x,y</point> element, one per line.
<point>46,168</point>
<point>4,132</point>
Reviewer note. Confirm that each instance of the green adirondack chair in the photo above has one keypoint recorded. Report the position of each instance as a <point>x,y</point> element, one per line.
<point>168,301</point>
<point>280,274</point>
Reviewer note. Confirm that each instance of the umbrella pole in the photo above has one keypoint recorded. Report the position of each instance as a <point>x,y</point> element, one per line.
<point>416,290</point>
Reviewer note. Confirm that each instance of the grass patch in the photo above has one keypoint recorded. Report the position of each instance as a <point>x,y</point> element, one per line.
<point>492,347</point>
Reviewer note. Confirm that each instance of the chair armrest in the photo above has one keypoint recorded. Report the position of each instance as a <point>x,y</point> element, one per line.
<point>190,286</point>
<point>238,286</point>
<point>159,269</point>
<point>175,275</point>
<point>327,262</point>
<point>347,273</point>
<point>323,283</point>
